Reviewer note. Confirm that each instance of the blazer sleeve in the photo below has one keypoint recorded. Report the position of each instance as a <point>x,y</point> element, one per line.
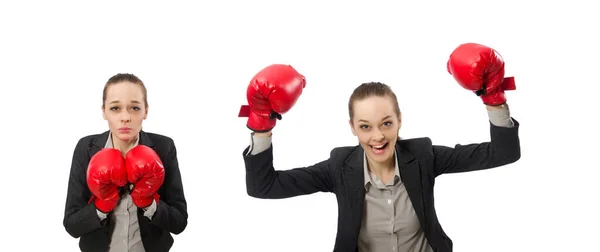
<point>80,217</point>
<point>171,212</point>
<point>504,148</point>
<point>263,181</point>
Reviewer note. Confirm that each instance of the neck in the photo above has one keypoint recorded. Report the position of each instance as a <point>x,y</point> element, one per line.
<point>383,167</point>
<point>123,146</point>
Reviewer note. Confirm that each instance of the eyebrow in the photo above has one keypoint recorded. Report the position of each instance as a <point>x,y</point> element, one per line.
<point>385,118</point>
<point>134,101</point>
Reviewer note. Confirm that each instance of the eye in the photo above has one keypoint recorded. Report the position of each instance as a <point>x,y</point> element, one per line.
<point>114,108</point>
<point>364,126</point>
<point>136,108</point>
<point>388,124</point>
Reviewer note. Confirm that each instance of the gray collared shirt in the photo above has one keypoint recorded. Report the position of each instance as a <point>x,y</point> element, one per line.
<point>125,231</point>
<point>389,221</point>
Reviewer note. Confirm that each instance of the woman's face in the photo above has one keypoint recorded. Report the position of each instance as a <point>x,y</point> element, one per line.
<point>376,125</point>
<point>124,110</point>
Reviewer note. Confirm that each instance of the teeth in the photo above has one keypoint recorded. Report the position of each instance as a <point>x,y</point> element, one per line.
<point>379,146</point>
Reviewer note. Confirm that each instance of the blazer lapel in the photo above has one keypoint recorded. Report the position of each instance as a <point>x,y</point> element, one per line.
<point>353,176</point>
<point>410,174</point>
<point>98,143</point>
<point>146,140</point>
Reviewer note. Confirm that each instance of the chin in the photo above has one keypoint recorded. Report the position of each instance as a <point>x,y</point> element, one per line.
<point>381,158</point>
<point>125,137</point>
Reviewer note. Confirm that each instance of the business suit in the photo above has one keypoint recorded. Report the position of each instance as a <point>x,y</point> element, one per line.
<point>420,162</point>
<point>81,220</point>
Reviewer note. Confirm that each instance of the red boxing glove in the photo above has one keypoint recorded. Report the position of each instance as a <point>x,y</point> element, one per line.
<point>105,174</point>
<point>272,92</point>
<point>480,69</point>
<point>146,174</point>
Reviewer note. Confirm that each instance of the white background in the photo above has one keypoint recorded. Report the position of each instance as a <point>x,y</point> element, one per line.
<point>197,60</point>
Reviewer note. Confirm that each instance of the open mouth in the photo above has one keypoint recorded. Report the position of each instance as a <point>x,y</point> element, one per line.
<point>379,148</point>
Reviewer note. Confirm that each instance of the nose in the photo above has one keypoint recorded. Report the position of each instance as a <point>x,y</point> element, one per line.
<point>126,117</point>
<point>378,135</point>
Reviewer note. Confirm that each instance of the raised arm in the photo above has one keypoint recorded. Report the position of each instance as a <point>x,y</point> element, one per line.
<point>263,181</point>
<point>504,147</point>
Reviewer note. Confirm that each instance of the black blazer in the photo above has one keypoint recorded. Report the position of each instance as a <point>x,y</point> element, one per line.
<point>419,162</point>
<point>81,220</point>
